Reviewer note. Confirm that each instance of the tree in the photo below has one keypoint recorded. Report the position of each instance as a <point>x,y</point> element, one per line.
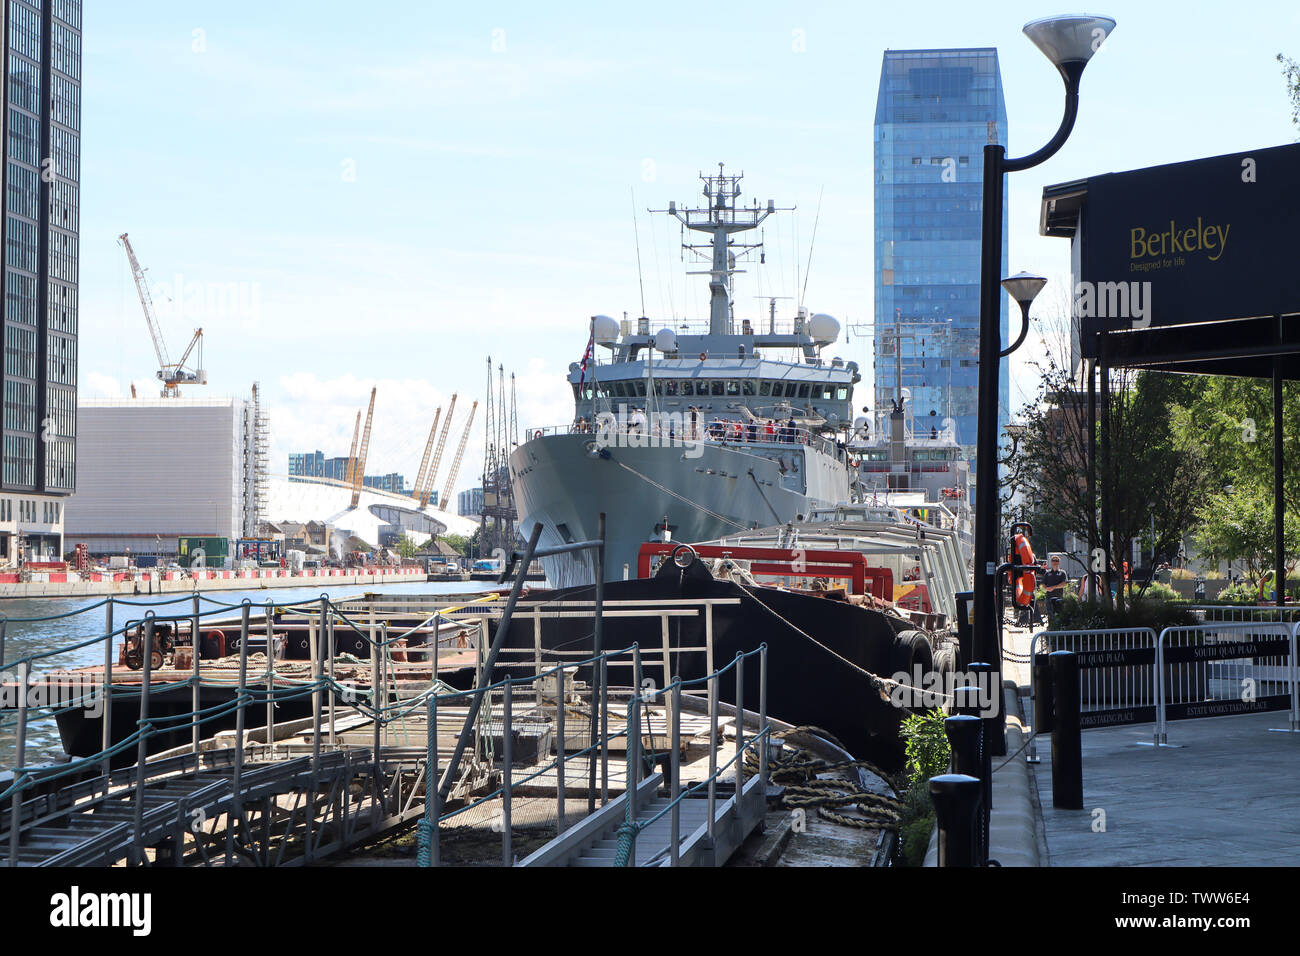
<point>406,547</point>
<point>1291,73</point>
<point>1237,525</point>
<point>1232,420</point>
<point>1149,480</point>
<point>459,542</point>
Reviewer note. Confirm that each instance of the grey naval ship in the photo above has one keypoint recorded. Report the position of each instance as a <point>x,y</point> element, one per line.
<point>693,434</point>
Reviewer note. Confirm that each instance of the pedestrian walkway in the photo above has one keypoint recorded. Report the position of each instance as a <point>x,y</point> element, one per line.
<point>1226,796</point>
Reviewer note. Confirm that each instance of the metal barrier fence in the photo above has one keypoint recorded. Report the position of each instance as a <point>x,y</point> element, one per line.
<point>1133,675</point>
<point>1117,675</point>
<point>1245,613</point>
<point>1218,669</point>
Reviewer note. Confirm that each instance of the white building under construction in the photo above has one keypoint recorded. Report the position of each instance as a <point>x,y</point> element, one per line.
<point>150,470</point>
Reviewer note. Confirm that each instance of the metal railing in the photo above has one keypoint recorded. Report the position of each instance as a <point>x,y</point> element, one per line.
<point>42,792</point>
<point>1133,675</point>
<point>725,433</point>
<point>1245,613</point>
<point>1219,669</point>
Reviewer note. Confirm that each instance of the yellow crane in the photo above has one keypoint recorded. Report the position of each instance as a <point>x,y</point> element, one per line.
<point>171,374</point>
<point>426,492</point>
<point>359,471</point>
<point>424,462</point>
<point>455,462</point>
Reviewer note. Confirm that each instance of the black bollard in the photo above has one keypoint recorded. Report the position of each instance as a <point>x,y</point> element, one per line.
<point>1067,739</point>
<point>963,733</point>
<point>956,799</point>
<point>964,637</point>
<point>1042,694</point>
<point>983,676</point>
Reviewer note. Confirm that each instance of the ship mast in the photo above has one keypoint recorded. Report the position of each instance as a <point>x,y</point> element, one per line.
<point>720,218</point>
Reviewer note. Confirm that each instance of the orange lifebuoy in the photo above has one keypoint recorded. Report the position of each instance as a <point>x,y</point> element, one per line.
<point>1026,582</point>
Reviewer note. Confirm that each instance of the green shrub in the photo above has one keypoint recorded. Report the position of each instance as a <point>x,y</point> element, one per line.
<point>1243,592</point>
<point>928,753</point>
<point>1076,615</point>
<point>926,746</point>
<point>915,839</point>
<point>1157,592</point>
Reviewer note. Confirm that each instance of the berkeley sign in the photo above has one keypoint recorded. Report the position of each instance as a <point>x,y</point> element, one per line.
<point>1208,240</point>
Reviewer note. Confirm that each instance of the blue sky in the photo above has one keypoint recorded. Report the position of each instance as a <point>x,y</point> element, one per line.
<point>384,195</point>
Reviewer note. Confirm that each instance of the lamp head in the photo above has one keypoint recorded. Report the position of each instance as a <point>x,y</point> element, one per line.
<point>1069,41</point>
<point>1023,287</point>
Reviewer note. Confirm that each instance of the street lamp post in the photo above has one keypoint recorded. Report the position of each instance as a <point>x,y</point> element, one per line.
<point>1069,42</point>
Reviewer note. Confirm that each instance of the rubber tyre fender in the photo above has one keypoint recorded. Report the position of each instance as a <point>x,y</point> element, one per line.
<point>911,648</point>
<point>945,659</point>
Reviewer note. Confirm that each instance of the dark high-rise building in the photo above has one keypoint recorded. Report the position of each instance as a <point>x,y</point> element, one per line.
<point>935,111</point>
<point>42,173</point>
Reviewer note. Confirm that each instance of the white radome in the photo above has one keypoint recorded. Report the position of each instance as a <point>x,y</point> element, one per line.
<point>824,329</point>
<point>666,340</point>
<point>605,328</point>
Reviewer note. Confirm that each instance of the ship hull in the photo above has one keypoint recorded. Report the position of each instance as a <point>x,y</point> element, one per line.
<point>705,491</point>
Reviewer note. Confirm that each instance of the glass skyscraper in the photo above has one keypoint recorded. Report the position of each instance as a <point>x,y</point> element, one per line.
<point>42,172</point>
<point>935,111</point>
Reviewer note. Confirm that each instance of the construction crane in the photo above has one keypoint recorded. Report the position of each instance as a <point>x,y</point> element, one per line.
<point>359,470</point>
<point>424,462</point>
<point>426,492</point>
<point>455,462</point>
<point>171,374</point>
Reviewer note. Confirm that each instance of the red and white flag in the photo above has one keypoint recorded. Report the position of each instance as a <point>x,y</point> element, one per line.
<point>586,356</point>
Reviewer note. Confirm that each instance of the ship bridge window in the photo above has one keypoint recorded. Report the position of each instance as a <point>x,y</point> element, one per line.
<point>688,387</point>
<point>747,387</point>
<point>619,390</point>
<point>733,389</point>
<point>639,388</point>
<point>803,391</point>
<point>764,388</point>
<point>842,393</point>
<point>716,388</point>
<point>778,389</point>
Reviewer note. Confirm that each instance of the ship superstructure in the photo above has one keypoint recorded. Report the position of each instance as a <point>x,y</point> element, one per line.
<point>693,433</point>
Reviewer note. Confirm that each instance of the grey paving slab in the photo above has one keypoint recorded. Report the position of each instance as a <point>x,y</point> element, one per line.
<point>1229,796</point>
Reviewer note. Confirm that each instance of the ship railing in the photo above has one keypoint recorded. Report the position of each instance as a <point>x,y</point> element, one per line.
<point>717,432</point>
<point>758,327</point>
